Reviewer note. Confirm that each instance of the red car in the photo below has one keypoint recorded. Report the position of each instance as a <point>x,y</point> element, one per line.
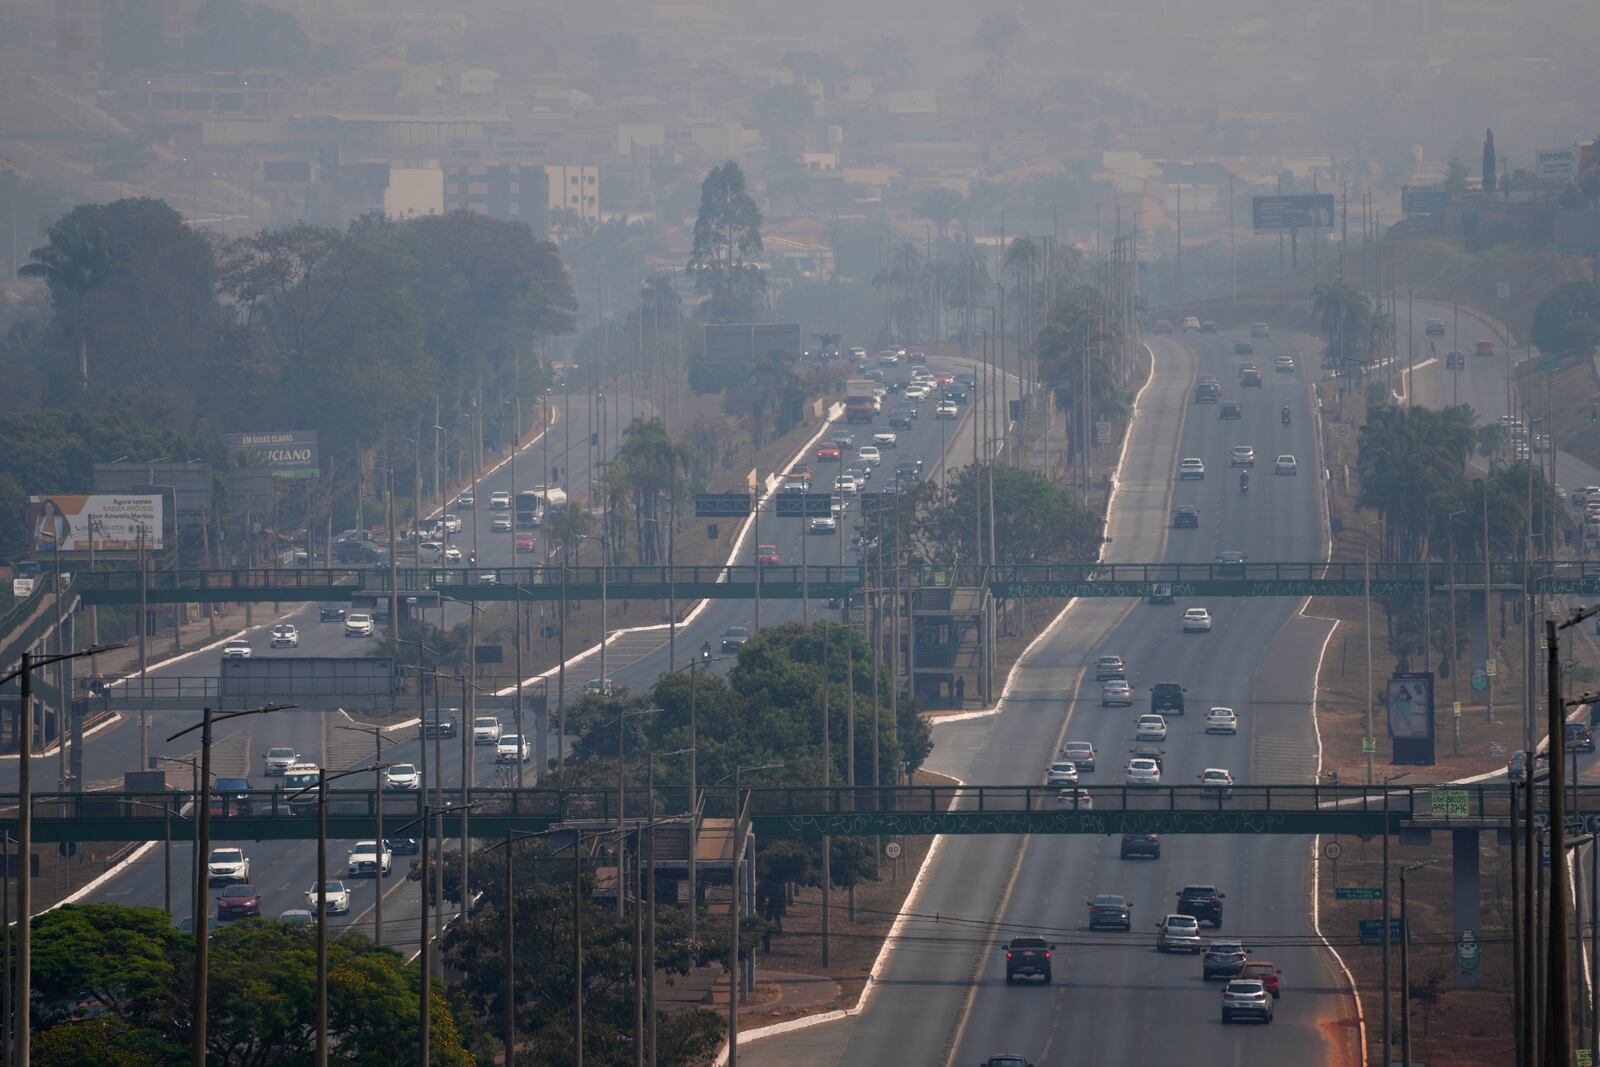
<point>1163,326</point>
<point>917,357</point>
<point>1264,971</point>
<point>800,470</point>
<point>1483,348</point>
<point>525,543</point>
<point>828,452</point>
<point>767,555</point>
<point>239,902</point>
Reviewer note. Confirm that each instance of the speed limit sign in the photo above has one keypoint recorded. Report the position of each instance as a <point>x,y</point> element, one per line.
<point>1332,850</point>
<point>892,850</point>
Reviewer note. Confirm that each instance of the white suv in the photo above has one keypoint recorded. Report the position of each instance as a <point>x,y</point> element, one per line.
<point>358,625</point>
<point>227,865</point>
<point>500,500</point>
<point>485,730</point>
<point>365,858</point>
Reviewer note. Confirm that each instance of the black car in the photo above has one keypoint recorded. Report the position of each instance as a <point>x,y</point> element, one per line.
<point>1250,378</point>
<point>1110,909</point>
<point>442,723</point>
<point>900,419</point>
<point>231,796</point>
<point>1205,393</point>
<point>1243,348</point>
<point>1166,698</point>
<point>1141,845</point>
<point>1579,737</point>
<point>1186,515</point>
<point>967,380</point>
<point>1028,957</point>
<point>402,846</point>
<point>1208,327</point>
<point>1455,361</point>
<point>1231,410</point>
<point>1203,902</point>
<point>956,394</point>
<point>1150,752</point>
<point>331,613</point>
<point>1231,558</point>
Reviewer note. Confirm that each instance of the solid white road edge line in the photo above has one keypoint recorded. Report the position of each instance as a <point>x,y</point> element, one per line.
<point>885,951</point>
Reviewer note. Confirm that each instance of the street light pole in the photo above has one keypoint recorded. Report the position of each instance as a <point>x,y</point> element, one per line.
<point>202,950</point>
<point>378,767</point>
<point>1405,968</point>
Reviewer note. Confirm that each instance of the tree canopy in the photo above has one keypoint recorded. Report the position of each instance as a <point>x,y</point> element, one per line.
<point>727,243</point>
<point>1567,321</point>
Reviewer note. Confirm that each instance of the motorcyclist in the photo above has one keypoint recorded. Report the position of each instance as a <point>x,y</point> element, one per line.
<point>1285,414</point>
<point>1244,481</point>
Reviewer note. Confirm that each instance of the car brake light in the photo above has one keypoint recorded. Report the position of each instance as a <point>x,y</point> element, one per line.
<point>1047,955</point>
<point>1008,954</point>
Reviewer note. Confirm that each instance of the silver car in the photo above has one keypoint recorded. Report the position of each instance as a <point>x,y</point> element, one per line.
<point>1179,933</point>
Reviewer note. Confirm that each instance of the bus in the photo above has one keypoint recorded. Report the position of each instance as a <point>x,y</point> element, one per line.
<point>533,505</point>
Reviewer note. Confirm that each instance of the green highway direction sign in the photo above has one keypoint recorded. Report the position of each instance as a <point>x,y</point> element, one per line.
<point>1372,931</point>
<point>1360,892</point>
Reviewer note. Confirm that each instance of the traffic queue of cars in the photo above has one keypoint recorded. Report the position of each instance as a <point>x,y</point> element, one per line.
<point>1251,985</point>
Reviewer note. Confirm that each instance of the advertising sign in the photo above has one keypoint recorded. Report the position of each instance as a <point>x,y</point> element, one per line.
<point>288,453</point>
<point>1424,201</point>
<point>1300,212</point>
<point>1557,164</point>
<point>1411,717</point>
<point>112,521</point>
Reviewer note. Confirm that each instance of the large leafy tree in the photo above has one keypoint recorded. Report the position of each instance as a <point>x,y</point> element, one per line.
<point>1406,458</point>
<point>135,968</point>
<point>1567,320</point>
<point>79,257</point>
<point>727,245</point>
<point>1076,354</point>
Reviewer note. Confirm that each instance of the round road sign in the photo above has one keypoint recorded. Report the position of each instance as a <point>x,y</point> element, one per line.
<point>892,850</point>
<point>1332,850</point>
<point>1568,666</point>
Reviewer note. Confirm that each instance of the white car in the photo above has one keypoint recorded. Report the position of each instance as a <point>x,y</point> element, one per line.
<point>593,686</point>
<point>276,761</point>
<point>1222,721</point>
<point>1116,693</point>
<point>869,454</point>
<point>402,778</point>
<point>227,865</point>
<point>1178,933</point>
<point>466,500</point>
<point>500,500</point>
<point>452,523</point>
<point>1283,365</point>
<point>1191,324</point>
<point>236,648</point>
<point>336,895</point>
<point>452,554</point>
<point>947,409</point>
<point>1196,621</point>
<point>919,391</point>
<point>1142,772</point>
<point>429,552</point>
<point>1191,468</point>
<point>845,484</point>
<point>511,748</point>
<point>485,730</point>
<point>1285,465</point>
<point>1062,772</point>
<point>364,859</point>
<point>824,524</point>
<point>1081,753</point>
<point>285,636</point>
<point>1077,799</point>
<point>500,524</point>
<point>358,625</point>
<point>1219,779</point>
<point>1150,727</point>
<point>885,439</point>
<point>1242,456</point>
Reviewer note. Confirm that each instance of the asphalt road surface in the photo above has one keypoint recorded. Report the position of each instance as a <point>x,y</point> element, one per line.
<point>283,871</point>
<point>943,997</point>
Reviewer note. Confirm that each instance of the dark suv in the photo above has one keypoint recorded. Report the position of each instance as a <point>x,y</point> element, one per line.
<point>442,723</point>
<point>1579,737</point>
<point>1166,698</point>
<point>1141,845</point>
<point>1203,902</point>
<point>1028,957</point>
<point>1186,515</point>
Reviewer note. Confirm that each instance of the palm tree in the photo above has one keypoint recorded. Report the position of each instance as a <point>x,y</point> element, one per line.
<point>905,273</point>
<point>1344,316</point>
<point>995,35</point>
<point>940,206</point>
<point>79,258</point>
<point>1023,256</point>
<point>566,527</point>
<point>652,466</point>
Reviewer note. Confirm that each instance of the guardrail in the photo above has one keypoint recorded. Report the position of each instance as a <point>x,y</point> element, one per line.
<point>261,814</point>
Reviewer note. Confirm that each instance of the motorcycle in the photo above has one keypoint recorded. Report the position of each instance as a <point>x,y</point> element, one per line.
<point>1244,484</point>
<point>1286,416</point>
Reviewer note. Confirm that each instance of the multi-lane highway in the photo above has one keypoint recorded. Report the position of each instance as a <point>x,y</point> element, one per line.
<point>282,871</point>
<point>943,995</point>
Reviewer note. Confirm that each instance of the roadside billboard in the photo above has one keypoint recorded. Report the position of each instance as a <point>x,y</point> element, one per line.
<point>1411,717</point>
<point>729,344</point>
<point>1298,212</point>
<point>287,453</point>
<point>1557,164</point>
<point>1423,200</point>
<point>113,522</point>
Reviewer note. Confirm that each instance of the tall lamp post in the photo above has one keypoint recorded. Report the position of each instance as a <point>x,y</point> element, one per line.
<point>622,787</point>
<point>735,908</point>
<point>24,980</point>
<point>699,663</point>
<point>202,949</point>
<point>1388,997</point>
<point>321,789</point>
<point>1405,968</point>
<point>378,767</point>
